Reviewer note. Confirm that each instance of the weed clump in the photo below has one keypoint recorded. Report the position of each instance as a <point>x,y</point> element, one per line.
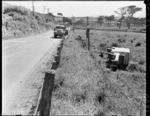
<point>100,98</point>
<point>133,67</point>
<point>103,46</point>
<point>141,61</point>
<point>100,113</point>
<point>138,44</point>
<point>121,40</point>
<point>115,45</point>
<point>18,9</point>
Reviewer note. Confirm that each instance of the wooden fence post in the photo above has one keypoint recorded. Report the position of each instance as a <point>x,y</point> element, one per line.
<point>88,33</point>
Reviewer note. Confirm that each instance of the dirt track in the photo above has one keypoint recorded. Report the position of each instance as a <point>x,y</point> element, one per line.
<point>24,63</point>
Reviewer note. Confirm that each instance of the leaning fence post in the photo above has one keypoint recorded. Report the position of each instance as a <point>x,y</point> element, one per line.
<point>88,36</point>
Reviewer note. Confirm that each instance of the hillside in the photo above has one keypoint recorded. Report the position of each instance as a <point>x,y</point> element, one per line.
<point>18,21</point>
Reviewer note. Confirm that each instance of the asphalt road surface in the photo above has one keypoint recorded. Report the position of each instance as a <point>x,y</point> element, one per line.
<point>19,56</point>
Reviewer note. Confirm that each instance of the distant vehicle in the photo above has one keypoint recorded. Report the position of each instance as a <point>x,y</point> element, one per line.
<point>60,30</point>
<point>117,58</point>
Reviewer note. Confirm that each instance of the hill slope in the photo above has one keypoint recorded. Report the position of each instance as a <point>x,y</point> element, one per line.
<point>18,21</point>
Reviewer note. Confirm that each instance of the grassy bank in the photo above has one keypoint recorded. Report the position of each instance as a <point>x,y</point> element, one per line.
<point>83,84</point>
<point>18,21</point>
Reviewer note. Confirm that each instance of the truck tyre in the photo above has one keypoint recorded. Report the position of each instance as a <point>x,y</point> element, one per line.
<point>55,36</point>
<point>124,68</point>
<point>66,33</point>
<point>113,68</point>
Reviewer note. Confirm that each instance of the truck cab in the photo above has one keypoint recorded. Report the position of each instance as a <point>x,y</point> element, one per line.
<point>60,30</point>
<point>117,58</point>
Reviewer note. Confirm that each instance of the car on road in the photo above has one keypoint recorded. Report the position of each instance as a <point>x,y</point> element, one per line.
<point>60,30</point>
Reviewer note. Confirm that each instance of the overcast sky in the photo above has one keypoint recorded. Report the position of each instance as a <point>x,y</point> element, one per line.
<point>81,8</point>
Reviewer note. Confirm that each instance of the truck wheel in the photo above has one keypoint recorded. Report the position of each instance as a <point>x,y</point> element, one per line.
<point>113,68</point>
<point>66,32</point>
<point>124,68</point>
<point>55,36</point>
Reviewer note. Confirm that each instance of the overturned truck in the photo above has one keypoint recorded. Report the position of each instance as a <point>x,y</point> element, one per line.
<point>118,58</point>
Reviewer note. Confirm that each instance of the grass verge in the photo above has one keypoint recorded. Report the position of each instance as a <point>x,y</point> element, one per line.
<point>83,84</point>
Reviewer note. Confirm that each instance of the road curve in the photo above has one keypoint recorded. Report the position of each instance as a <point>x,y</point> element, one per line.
<point>19,56</point>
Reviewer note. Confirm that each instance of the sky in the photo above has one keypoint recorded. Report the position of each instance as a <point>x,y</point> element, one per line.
<point>81,8</point>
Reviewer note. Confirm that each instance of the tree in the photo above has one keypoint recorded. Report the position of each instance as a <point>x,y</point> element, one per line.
<point>100,20</point>
<point>66,19</point>
<point>59,14</point>
<point>130,11</point>
<point>109,19</point>
<point>127,12</point>
<point>121,12</point>
<point>50,14</point>
<point>135,21</point>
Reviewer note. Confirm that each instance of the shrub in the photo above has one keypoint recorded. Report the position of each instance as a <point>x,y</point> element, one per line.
<point>103,46</point>
<point>16,16</point>
<point>121,40</point>
<point>131,41</point>
<point>79,97</point>
<point>115,45</point>
<point>18,9</point>
<point>100,98</point>
<point>100,113</point>
<point>132,67</point>
<point>137,44</point>
<point>141,61</point>
<point>142,69</point>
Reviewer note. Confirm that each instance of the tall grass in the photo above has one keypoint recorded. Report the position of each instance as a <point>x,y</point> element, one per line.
<point>20,21</point>
<point>84,86</point>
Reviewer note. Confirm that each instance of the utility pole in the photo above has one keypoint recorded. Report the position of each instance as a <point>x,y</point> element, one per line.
<point>47,10</point>
<point>87,20</point>
<point>72,23</point>
<point>44,9</point>
<point>33,7</point>
<point>88,33</point>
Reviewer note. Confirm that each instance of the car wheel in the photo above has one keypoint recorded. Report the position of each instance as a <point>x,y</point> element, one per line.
<point>113,68</point>
<point>55,36</point>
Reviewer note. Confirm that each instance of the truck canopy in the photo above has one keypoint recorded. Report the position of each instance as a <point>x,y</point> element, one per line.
<point>117,49</point>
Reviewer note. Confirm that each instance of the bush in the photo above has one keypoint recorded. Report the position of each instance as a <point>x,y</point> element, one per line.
<point>103,46</point>
<point>16,16</point>
<point>137,44</point>
<point>18,9</point>
<point>133,67</point>
<point>121,40</point>
<point>141,61</point>
<point>100,98</point>
<point>100,113</point>
<point>142,69</point>
<point>115,45</point>
<point>131,41</point>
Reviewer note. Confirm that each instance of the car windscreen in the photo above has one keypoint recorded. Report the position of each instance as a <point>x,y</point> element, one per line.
<point>112,57</point>
<point>60,27</point>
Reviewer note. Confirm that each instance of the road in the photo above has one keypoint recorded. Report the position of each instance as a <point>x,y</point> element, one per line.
<point>19,56</point>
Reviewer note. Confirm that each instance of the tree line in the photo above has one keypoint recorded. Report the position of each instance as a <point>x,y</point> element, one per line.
<point>126,15</point>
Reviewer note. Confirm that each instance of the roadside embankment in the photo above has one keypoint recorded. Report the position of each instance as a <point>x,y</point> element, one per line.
<point>84,86</point>
<point>18,21</point>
